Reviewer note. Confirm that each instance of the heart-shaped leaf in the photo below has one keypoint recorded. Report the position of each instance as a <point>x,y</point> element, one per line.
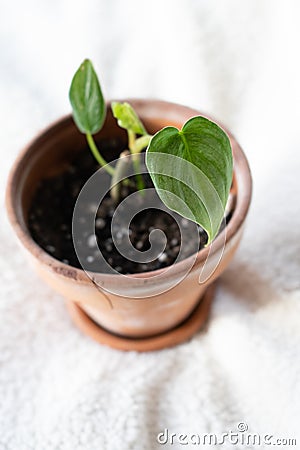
<point>89,109</point>
<point>192,171</point>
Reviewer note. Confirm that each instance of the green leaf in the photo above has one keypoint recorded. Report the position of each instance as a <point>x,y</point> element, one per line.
<point>89,109</point>
<point>192,171</point>
<point>127,118</point>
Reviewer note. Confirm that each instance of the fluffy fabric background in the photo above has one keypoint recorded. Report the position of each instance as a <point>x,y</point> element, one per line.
<point>240,62</point>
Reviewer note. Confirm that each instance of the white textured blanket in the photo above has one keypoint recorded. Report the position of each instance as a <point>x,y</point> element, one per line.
<point>239,61</point>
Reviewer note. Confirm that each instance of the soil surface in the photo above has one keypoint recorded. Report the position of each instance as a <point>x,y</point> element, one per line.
<point>50,223</point>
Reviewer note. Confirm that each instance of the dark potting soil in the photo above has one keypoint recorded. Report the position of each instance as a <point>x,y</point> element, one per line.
<point>51,213</point>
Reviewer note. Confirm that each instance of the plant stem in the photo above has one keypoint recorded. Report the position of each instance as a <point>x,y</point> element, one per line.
<point>97,155</point>
<point>135,147</point>
<point>140,143</point>
<point>118,177</point>
<point>138,176</point>
<point>131,139</point>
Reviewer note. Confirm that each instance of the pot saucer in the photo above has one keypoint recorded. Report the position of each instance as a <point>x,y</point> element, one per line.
<point>175,336</point>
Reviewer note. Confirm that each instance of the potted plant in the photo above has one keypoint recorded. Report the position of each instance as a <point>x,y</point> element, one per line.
<point>134,233</point>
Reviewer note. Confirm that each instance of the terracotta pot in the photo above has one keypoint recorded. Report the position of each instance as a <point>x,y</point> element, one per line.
<point>162,315</point>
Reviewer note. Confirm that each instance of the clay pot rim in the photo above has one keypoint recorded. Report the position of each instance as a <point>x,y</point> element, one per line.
<point>242,178</point>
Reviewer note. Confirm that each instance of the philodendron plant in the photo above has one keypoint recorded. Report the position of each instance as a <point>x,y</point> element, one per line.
<point>191,168</point>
